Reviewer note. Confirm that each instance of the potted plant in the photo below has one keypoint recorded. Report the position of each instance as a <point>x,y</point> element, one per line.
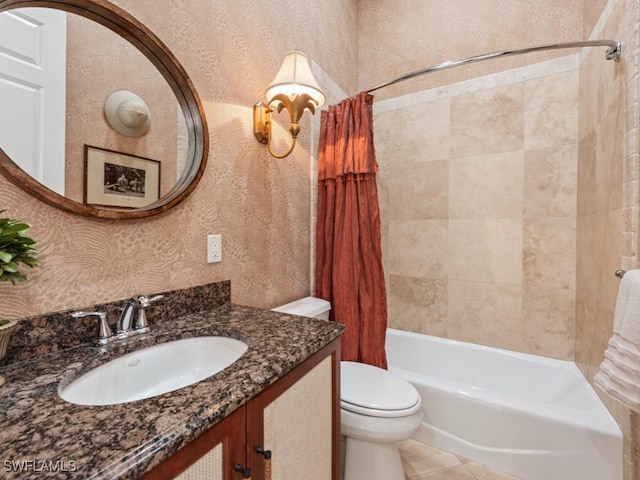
<point>16,249</point>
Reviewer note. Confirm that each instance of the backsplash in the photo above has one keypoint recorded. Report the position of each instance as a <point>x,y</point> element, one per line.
<point>52,332</point>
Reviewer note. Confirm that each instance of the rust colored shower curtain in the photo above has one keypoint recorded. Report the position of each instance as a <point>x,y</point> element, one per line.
<point>349,258</point>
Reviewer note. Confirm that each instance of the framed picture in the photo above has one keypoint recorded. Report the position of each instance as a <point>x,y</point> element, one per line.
<point>116,179</point>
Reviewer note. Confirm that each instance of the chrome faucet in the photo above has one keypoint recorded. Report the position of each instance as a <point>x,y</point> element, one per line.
<point>125,322</point>
<point>132,321</point>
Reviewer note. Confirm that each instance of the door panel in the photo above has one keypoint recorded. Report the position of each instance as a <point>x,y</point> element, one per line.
<point>33,92</point>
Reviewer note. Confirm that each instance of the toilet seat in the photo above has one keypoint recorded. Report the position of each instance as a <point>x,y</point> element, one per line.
<point>375,392</point>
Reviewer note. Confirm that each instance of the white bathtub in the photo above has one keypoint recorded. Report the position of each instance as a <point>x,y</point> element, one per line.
<point>531,416</point>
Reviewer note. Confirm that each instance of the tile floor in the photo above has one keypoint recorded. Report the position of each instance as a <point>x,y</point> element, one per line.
<point>423,462</point>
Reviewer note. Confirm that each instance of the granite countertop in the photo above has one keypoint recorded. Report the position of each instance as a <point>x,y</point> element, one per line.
<point>51,438</point>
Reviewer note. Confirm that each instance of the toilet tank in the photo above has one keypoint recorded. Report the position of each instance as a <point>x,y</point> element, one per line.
<point>307,307</point>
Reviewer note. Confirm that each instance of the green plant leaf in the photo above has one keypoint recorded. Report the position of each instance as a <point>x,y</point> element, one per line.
<point>16,248</point>
<point>17,277</point>
<point>10,267</point>
<point>31,262</point>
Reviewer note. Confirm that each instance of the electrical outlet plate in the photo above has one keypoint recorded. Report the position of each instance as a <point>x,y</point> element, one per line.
<point>214,248</point>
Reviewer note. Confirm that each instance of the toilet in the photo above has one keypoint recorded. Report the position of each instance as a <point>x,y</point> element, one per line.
<point>377,410</point>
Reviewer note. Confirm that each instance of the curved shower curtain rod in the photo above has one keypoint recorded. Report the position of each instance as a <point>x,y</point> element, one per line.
<point>612,53</point>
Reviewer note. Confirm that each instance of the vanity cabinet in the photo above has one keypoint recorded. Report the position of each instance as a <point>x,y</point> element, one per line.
<point>291,430</point>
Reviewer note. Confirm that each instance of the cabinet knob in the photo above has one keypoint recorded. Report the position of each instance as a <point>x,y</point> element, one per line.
<point>263,452</point>
<point>245,472</point>
<point>267,461</point>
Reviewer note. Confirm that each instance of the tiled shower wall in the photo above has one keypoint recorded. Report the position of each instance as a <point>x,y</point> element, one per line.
<point>509,201</point>
<point>607,190</point>
<point>478,184</point>
<point>608,200</point>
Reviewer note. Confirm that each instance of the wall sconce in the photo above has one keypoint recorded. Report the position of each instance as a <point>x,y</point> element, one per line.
<point>127,114</point>
<point>293,88</point>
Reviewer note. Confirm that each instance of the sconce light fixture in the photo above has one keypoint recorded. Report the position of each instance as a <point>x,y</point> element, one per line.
<point>127,113</point>
<point>293,88</point>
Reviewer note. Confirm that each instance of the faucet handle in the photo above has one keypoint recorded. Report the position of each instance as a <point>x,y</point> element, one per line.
<point>143,303</point>
<point>105,330</point>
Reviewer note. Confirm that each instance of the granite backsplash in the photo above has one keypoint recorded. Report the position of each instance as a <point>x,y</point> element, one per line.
<point>52,332</point>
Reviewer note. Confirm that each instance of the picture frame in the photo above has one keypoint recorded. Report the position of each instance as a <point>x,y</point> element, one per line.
<point>116,179</point>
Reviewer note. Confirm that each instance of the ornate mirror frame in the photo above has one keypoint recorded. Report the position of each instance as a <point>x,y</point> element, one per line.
<point>122,23</point>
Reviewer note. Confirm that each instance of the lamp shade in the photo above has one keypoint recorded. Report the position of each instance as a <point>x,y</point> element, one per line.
<point>295,78</point>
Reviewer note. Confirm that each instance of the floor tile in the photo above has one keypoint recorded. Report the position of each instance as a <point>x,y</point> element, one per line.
<point>482,472</point>
<point>424,462</point>
<point>419,458</point>
<point>453,473</point>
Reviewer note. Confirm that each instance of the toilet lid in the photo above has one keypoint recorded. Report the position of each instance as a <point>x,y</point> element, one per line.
<point>376,392</point>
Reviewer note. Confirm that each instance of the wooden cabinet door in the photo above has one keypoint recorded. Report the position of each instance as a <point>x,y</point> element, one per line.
<point>211,456</point>
<point>297,420</point>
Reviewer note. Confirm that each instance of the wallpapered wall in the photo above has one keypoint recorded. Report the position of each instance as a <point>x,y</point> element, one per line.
<point>87,89</point>
<point>259,205</point>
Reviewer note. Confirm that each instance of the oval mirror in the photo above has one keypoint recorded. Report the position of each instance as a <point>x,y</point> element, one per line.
<point>97,116</point>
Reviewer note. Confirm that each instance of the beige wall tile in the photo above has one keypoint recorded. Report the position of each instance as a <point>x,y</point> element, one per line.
<point>485,313</point>
<point>419,191</point>
<point>489,121</point>
<point>416,133</point>
<point>549,252</point>
<point>435,31</point>
<point>588,242</point>
<point>418,304</point>
<point>486,250</point>
<point>613,77</point>
<point>585,320</point>
<point>610,257</point>
<point>487,186</point>
<point>419,248</point>
<point>550,177</point>
<point>609,144</point>
<point>601,226</point>
<point>586,203</point>
<point>382,183</point>
<point>588,98</point>
<point>551,111</point>
<point>592,9</point>
<point>599,253</point>
<point>594,326</point>
<point>548,316</point>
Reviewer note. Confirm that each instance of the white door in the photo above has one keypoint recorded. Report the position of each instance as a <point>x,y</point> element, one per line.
<point>32,92</point>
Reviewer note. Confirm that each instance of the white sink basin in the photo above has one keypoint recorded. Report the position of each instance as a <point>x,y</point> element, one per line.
<point>153,371</point>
